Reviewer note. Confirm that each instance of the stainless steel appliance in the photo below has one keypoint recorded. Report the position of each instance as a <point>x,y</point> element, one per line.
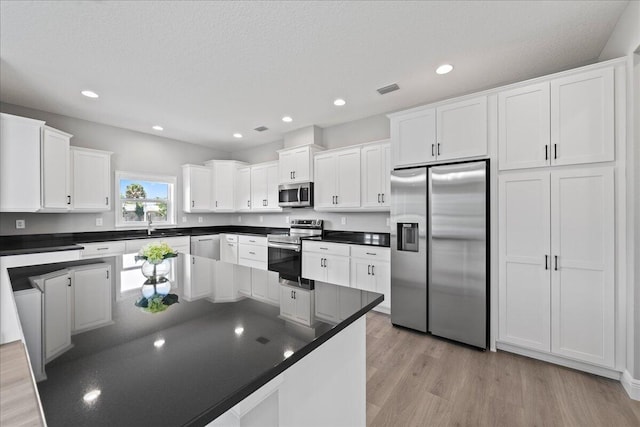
<point>285,250</point>
<point>295,195</point>
<point>439,250</point>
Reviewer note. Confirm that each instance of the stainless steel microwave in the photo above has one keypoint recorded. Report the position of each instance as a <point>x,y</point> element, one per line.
<point>295,195</point>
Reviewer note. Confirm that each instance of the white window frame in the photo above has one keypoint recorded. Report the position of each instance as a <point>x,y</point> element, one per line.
<point>141,176</point>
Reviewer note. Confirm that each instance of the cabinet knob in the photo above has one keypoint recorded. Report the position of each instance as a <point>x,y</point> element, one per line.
<point>106,200</point>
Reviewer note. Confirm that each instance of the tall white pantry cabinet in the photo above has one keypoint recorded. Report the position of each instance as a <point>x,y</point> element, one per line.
<point>557,221</point>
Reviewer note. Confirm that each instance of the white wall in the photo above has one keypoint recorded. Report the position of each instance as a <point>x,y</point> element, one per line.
<point>262,153</point>
<point>373,128</point>
<point>133,151</point>
<point>360,221</point>
<point>624,41</point>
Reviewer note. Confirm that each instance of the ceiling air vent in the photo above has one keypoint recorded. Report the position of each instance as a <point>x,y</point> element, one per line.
<point>261,128</point>
<point>387,89</point>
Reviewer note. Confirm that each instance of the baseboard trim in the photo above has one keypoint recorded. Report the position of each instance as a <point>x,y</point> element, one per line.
<point>631,385</point>
<point>558,360</point>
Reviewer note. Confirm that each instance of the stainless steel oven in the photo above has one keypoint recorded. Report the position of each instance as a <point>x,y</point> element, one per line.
<point>295,195</point>
<point>285,250</point>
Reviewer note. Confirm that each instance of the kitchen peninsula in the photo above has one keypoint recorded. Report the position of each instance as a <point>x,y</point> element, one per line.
<point>201,362</point>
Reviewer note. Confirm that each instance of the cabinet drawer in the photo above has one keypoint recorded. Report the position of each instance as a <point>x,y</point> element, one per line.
<point>371,252</point>
<point>253,252</point>
<point>252,240</point>
<point>326,248</point>
<point>97,250</point>
<point>132,246</point>
<point>231,238</point>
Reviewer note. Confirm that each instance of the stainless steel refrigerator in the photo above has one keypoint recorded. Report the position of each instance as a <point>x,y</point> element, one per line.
<point>439,247</point>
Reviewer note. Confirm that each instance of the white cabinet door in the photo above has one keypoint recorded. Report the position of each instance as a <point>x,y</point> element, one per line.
<point>272,187</point>
<point>337,269</point>
<point>200,278</point>
<point>582,118</point>
<point>20,145</point>
<point>273,287</point>
<point>413,137</point>
<point>91,296</point>
<point>325,170</point>
<point>375,172</point>
<point>259,188</point>
<point>582,245</point>
<point>243,189</point>
<point>57,314</point>
<point>523,127</point>
<point>348,177</point>
<point>361,274</point>
<point>294,165</point>
<point>313,266</point>
<point>228,251</point>
<point>302,304</point>
<point>90,180</point>
<point>524,275</point>
<point>259,283</point>
<point>381,273</point>
<point>326,307</point>
<point>56,194</point>
<point>223,199</point>
<point>196,187</point>
<point>462,129</point>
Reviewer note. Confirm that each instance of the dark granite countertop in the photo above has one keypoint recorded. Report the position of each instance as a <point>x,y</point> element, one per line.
<point>354,238</point>
<point>184,366</point>
<point>35,243</point>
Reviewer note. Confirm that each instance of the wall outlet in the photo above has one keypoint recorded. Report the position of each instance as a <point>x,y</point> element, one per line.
<point>200,220</point>
<point>99,222</point>
<point>260,218</point>
<point>388,222</point>
<point>239,218</point>
<point>184,219</point>
<point>20,223</point>
<point>343,220</point>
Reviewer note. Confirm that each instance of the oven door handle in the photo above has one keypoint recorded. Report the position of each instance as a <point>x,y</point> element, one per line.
<point>290,246</point>
<point>299,189</point>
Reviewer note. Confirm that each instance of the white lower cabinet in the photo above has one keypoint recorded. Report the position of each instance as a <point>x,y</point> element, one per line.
<point>556,278</point>
<point>92,293</point>
<point>265,286</point>
<point>224,284</point>
<point>326,262</point>
<point>242,277</point>
<point>297,304</point>
<point>229,248</point>
<point>200,272</point>
<point>57,313</point>
<point>371,271</point>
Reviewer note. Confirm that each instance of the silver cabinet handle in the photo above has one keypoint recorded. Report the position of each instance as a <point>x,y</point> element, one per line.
<point>556,259</point>
<point>106,200</point>
<point>433,147</point>
<point>252,241</point>
<point>371,253</point>
<point>68,200</point>
<point>369,269</point>
<point>193,204</point>
<point>252,253</point>
<point>546,152</point>
<point>107,274</point>
<point>336,200</point>
<point>373,271</point>
<point>438,148</point>
<point>382,197</point>
<point>546,262</point>
<point>102,249</point>
<point>216,203</point>
<point>324,249</point>
<point>69,281</point>
<point>555,151</point>
<point>248,203</point>
<point>378,197</point>
<point>193,260</point>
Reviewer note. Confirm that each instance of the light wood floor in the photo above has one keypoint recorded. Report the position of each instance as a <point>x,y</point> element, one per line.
<point>417,380</point>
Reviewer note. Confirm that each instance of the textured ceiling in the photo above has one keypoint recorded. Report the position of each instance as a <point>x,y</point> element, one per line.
<point>205,70</point>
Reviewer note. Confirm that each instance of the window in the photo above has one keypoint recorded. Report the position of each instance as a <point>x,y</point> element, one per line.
<point>143,197</point>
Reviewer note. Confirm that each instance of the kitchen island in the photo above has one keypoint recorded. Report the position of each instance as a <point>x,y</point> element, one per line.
<point>202,362</point>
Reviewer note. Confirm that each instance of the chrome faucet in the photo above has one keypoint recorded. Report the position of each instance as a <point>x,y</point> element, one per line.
<point>149,228</point>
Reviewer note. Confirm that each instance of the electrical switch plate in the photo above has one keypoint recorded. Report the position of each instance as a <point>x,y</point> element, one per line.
<point>99,222</point>
<point>20,223</point>
<point>343,220</point>
<point>184,219</point>
<point>200,219</point>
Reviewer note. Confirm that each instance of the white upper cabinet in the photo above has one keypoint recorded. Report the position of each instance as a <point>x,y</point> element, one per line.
<point>413,137</point>
<point>90,180</point>
<point>462,129</point>
<point>296,164</point>
<point>243,189</point>
<point>375,173</point>
<point>196,185</point>
<point>20,143</point>
<point>582,121</point>
<point>337,179</point>
<point>569,120</point>
<point>264,187</point>
<point>523,127</point>
<point>56,188</point>
<point>223,187</point>
<point>452,131</point>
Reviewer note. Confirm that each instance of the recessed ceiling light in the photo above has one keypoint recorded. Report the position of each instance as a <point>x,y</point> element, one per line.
<point>288,354</point>
<point>239,330</point>
<point>444,69</point>
<point>89,94</point>
<point>237,135</point>
<point>287,119</point>
<point>339,102</point>
<point>158,343</point>
<point>91,396</point>
<point>157,127</point>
